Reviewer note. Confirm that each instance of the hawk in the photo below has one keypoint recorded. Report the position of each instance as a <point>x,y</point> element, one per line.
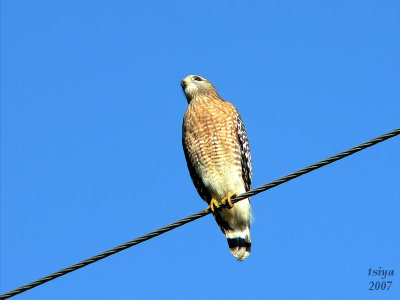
<point>217,153</point>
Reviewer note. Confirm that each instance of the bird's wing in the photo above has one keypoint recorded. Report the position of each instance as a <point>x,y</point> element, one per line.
<point>196,178</point>
<point>247,170</point>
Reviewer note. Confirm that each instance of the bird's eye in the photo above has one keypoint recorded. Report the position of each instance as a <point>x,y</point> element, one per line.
<point>197,78</point>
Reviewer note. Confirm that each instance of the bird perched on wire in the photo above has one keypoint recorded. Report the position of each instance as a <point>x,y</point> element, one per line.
<point>217,153</point>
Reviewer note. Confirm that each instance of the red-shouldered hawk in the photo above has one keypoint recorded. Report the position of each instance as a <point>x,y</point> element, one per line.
<point>218,157</point>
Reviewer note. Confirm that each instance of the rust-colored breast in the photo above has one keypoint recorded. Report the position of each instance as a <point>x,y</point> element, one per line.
<point>211,138</point>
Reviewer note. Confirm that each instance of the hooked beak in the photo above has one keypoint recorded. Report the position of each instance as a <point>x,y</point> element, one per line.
<point>185,83</point>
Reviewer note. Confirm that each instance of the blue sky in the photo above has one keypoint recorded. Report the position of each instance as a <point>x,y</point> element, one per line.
<point>91,157</point>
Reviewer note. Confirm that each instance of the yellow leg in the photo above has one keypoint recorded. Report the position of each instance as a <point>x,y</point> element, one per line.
<point>227,200</point>
<point>213,205</point>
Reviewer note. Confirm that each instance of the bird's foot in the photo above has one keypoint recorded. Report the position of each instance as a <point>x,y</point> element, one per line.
<point>213,205</point>
<point>227,202</point>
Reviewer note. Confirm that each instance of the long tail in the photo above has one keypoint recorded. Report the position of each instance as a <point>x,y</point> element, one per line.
<point>235,225</point>
<point>239,243</point>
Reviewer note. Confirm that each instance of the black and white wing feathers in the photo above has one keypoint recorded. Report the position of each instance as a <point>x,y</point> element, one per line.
<point>247,170</point>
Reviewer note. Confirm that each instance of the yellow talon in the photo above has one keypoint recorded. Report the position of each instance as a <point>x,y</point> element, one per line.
<point>213,205</point>
<point>227,200</point>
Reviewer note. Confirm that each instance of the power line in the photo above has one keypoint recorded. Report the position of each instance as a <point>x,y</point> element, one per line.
<point>200,214</point>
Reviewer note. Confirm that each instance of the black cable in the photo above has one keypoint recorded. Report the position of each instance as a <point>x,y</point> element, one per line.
<point>317,165</point>
<point>200,214</point>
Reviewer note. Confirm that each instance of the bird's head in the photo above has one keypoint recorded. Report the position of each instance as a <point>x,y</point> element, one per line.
<point>195,85</point>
